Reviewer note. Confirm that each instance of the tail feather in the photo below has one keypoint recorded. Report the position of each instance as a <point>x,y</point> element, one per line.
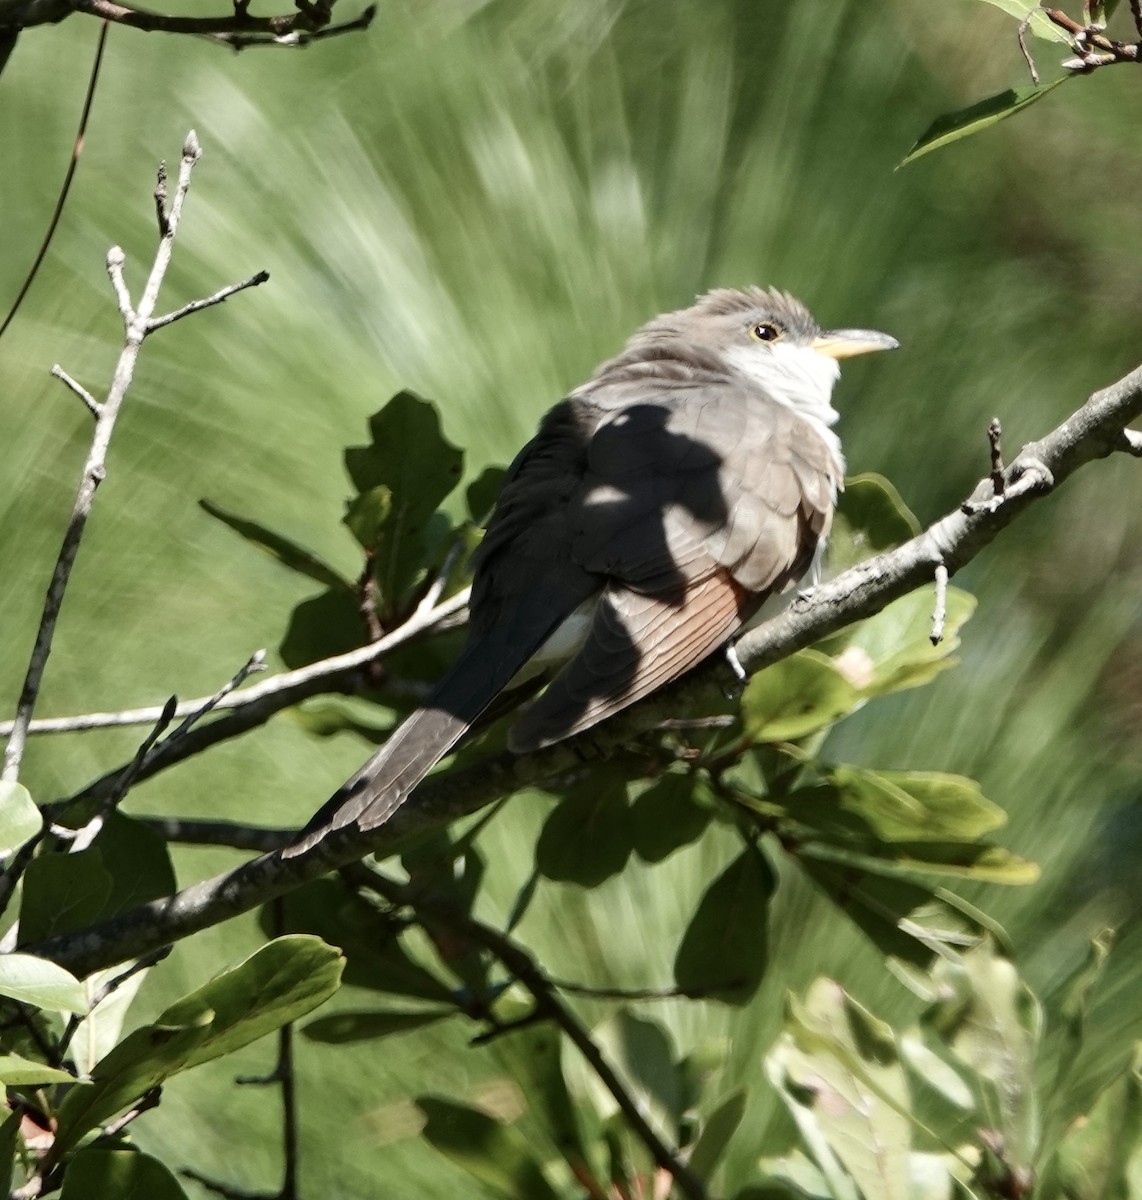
<point>483,670</point>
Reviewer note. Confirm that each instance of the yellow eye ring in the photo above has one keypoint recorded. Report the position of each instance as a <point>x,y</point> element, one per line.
<point>767,331</point>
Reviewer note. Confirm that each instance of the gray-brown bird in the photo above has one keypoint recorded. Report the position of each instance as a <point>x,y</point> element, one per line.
<point>647,521</point>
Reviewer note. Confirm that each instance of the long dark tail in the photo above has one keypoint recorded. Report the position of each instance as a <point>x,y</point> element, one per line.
<point>482,671</point>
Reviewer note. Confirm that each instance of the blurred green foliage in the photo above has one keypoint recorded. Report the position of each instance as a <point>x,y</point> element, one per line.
<point>477,202</point>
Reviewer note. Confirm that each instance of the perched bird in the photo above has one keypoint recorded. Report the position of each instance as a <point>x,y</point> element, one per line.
<point>657,507</point>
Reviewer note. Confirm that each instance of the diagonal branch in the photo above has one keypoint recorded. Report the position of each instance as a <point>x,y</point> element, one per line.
<point>1094,431</point>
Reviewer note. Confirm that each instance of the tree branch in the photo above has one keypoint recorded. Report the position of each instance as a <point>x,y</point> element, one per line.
<point>1094,431</point>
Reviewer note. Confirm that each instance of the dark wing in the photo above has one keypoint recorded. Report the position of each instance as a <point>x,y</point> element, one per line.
<point>695,505</point>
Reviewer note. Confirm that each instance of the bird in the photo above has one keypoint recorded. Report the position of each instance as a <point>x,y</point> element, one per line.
<point>658,506</point>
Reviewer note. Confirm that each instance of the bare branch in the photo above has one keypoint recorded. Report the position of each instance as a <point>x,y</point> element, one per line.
<point>198,305</point>
<point>288,688</point>
<point>93,405</point>
<point>1094,431</point>
<point>136,322</point>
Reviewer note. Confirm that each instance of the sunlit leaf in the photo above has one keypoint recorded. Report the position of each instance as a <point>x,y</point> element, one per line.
<point>100,1029</point>
<point>122,1174</point>
<point>1040,26</point>
<point>871,517</point>
<point>16,1071</point>
<point>140,1062</point>
<point>893,650</point>
<point>725,949</point>
<point>796,697</point>
<point>36,981</point>
<point>19,817</point>
<point>992,1023</point>
<point>371,1025</point>
<point>968,860</point>
<point>895,806</point>
<point>490,1151</point>
<point>951,127</point>
<point>1101,1153</point>
<point>287,552</point>
<point>278,983</point>
<point>837,1067</point>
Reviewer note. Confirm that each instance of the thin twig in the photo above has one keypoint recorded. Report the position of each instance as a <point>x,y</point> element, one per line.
<point>254,664</point>
<point>297,37</point>
<point>135,322</point>
<point>161,200</point>
<point>940,606</point>
<point>288,686</point>
<point>108,989</point>
<point>209,302</point>
<point>93,405</point>
<point>145,1103</point>
<point>995,442</point>
<point>1024,25</point>
<point>69,175</point>
<point>548,1004</point>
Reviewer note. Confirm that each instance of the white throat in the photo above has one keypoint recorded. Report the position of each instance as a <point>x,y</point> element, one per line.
<point>800,378</point>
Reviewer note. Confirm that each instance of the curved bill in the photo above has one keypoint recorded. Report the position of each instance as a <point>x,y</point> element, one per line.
<point>846,343</point>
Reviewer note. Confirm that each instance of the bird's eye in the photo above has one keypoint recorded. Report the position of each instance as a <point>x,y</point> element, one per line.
<point>766,331</point>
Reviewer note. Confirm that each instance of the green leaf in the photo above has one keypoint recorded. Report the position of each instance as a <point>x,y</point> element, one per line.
<point>277,984</point>
<point>588,835</point>
<point>20,819</point>
<point>725,949</point>
<point>838,1070</point>
<point>643,1053</point>
<point>871,517</point>
<point>893,651</point>
<point>376,959</point>
<point>1101,1154</point>
<point>1040,26</point>
<point>342,1027</point>
<point>495,1154</point>
<point>533,1054</point>
<point>287,552</point>
<point>100,1029</point>
<point>118,1175</point>
<point>327,716</point>
<point>951,127</point>
<point>717,1130</point>
<point>966,860</point>
<point>16,1071</point>
<point>137,859</point>
<point>410,459</point>
<point>992,1023</point>
<point>140,1062</point>
<point>37,981</point>
<point>62,893</point>
<point>895,806</point>
<point>366,515</point>
<point>907,922</point>
<point>796,697</point>
<point>482,493</point>
<point>673,812</point>
<point>321,627</point>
